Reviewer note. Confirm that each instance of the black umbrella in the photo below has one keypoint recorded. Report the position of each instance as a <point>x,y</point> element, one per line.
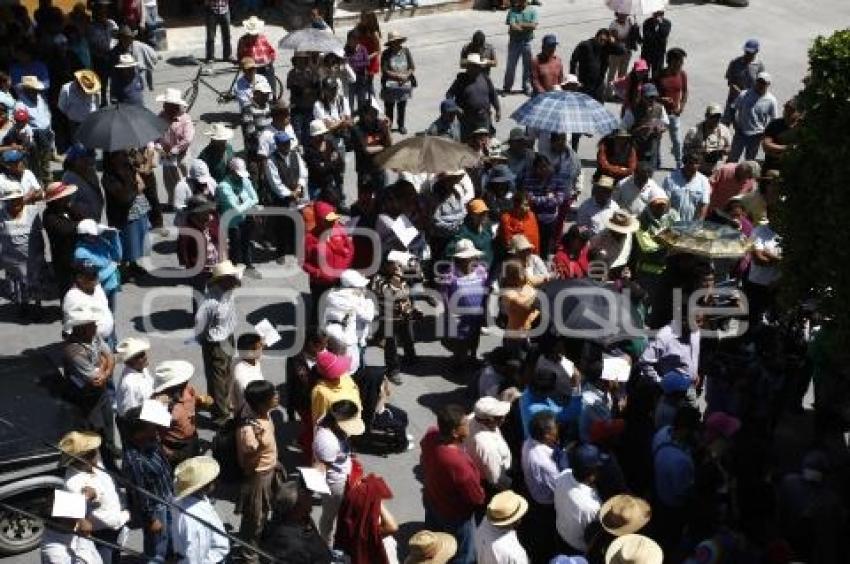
<point>585,309</point>
<point>119,127</point>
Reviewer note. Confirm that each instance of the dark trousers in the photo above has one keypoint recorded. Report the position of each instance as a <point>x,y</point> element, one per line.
<point>389,110</point>
<point>222,21</point>
<point>157,546</point>
<point>239,246</point>
<point>317,290</point>
<point>540,517</point>
<point>109,535</point>
<point>547,235</point>
<point>155,215</point>
<point>402,334</point>
<point>217,361</point>
<point>281,229</point>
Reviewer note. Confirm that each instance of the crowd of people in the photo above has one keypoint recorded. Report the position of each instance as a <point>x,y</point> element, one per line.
<point>655,447</point>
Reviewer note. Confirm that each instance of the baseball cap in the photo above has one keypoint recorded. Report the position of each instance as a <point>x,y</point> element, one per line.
<point>21,114</point>
<point>752,46</point>
<point>649,90</point>
<point>449,106</point>
<point>12,156</point>
<point>477,206</point>
<point>764,77</point>
<point>640,65</point>
<point>550,40</point>
<point>675,381</point>
<point>282,137</point>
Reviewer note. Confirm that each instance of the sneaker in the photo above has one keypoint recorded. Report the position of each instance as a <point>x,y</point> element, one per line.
<point>252,272</point>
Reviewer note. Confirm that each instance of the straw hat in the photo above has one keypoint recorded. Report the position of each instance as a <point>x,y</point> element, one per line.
<point>227,268</point>
<point>30,81</point>
<point>79,316</point>
<point>488,406</point>
<point>465,249</point>
<point>518,244</point>
<point>318,127</point>
<point>76,443</point>
<point>172,96</point>
<point>506,508</point>
<point>131,347</point>
<point>193,474</point>
<point>58,190</point>
<point>427,547</point>
<point>171,373</point>
<point>219,132</point>
<point>634,549</point>
<point>88,81</point>
<point>622,222</point>
<point>247,63</point>
<point>253,25</point>
<point>126,61</point>
<point>624,514</point>
<point>395,36</point>
<point>352,426</point>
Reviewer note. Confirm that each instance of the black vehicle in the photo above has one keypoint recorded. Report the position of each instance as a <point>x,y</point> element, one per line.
<point>31,400</point>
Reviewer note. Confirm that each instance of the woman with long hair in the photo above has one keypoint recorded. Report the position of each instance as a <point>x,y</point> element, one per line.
<point>369,35</point>
<point>126,209</point>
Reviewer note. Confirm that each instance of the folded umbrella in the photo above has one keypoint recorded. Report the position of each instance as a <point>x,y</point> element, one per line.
<point>566,112</point>
<point>705,239</point>
<point>119,127</point>
<point>636,7</point>
<point>311,40</point>
<point>426,154</point>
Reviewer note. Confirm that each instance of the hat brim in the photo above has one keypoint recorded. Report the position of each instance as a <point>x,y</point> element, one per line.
<point>516,516</point>
<point>219,136</point>
<point>38,86</point>
<point>468,254</point>
<point>445,549</point>
<point>629,527</point>
<point>90,442</point>
<point>236,273</point>
<point>624,229</point>
<point>353,427</point>
<point>400,39</point>
<point>12,196</point>
<point>182,379</point>
<point>67,191</point>
<point>209,473</point>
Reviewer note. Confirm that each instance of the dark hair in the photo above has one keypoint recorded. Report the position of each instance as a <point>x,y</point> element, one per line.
<point>342,409</point>
<point>134,422</point>
<point>543,381</point>
<point>258,392</point>
<point>645,168</point>
<point>449,418</point>
<point>687,417</point>
<point>247,341</point>
<point>692,157</point>
<point>478,36</point>
<point>540,424</point>
<point>541,158</point>
<point>85,269</point>
<point>602,31</point>
<point>676,53</point>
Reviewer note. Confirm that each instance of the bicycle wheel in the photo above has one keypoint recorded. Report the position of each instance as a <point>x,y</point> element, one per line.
<point>277,89</point>
<point>191,94</point>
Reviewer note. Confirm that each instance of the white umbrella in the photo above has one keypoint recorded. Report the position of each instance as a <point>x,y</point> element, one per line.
<point>636,7</point>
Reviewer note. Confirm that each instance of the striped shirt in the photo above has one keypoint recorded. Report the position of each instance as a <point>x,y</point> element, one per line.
<point>216,317</point>
<point>546,196</point>
<point>149,470</point>
<point>255,120</point>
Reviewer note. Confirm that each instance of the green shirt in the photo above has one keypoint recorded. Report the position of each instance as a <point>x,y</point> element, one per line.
<point>527,15</point>
<point>218,167</point>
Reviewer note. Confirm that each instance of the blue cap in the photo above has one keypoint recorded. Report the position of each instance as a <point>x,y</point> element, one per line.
<point>78,150</point>
<point>649,90</point>
<point>13,156</point>
<point>282,137</point>
<point>449,106</point>
<point>587,457</point>
<point>550,40</point>
<point>561,559</point>
<point>752,46</point>
<point>675,381</point>
<point>501,173</point>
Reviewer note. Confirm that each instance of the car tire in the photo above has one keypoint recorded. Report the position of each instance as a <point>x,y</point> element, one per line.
<point>18,533</point>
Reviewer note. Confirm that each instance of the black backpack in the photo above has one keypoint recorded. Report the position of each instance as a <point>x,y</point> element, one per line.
<point>224,449</point>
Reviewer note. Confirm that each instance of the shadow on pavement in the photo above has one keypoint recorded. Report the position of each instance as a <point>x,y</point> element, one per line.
<point>165,320</point>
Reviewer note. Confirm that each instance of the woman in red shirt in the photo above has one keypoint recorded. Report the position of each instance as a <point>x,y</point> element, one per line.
<point>571,254</point>
<point>672,83</point>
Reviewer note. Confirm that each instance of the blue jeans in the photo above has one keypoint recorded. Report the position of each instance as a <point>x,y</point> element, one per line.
<point>516,49</point>
<point>746,144</point>
<point>675,138</point>
<point>462,531</point>
<point>157,547</point>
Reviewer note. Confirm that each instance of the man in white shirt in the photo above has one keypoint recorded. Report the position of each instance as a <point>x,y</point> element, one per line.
<point>576,500</point>
<point>596,210</point>
<point>486,445</point>
<point>496,540</point>
<point>247,369</point>
<point>61,547</point>
<point>87,292</point>
<point>634,192</point>
<point>764,269</point>
<point>80,97</point>
<point>195,542</point>
<point>540,466</point>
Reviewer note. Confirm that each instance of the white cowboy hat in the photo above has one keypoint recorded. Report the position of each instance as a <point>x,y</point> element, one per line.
<point>395,36</point>
<point>318,127</point>
<point>519,243</point>
<point>30,81</point>
<point>172,96</point>
<point>171,373</point>
<point>465,249</point>
<point>130,347</point>
<point>219,132</point>
<point>193,474</point>
<point>253,25</point>
<point>488,406</point>
<point>78,316</point>
<point>126,61</point>
<point>622,222</point>
<point>353,279</point>
<point>58,190</point>
<point>227,268</point>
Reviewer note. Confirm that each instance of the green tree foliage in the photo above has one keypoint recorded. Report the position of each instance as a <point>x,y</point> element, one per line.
<point>814,217</point>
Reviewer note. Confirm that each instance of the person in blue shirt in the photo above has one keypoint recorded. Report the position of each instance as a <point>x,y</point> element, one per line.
<point>101,246</point>
<point>126,85</point>
<point>538,396</point>
<point>235,197</point>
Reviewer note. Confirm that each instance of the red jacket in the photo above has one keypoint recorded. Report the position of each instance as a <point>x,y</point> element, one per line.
<point>452,483</point>
<point>566,267</point>
<point>336,251</point>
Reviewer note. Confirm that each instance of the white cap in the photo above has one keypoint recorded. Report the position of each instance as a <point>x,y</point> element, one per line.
<point>172,373</point>
<point>764,76</point>
<point>318,127</point>
<point>201,172</point>
<point>88,227</point>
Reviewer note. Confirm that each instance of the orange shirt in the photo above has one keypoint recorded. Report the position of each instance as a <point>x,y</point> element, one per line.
<point>256,447</point>
<point>510,225</point>
<point>519,307</point>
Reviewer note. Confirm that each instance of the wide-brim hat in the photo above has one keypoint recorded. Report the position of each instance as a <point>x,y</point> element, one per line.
<point>253,25</point>
<point>88,81</point>
<point>130,347</point>
<point>519,243</point>
<point>506,508</point>
<point>488,406</point>
<point>193,474</point>
<point>465,249</point>
<point>172,373</point>
<point>172,96</point>
<point>353,426</point>
<point>78,316</point>
<point>622,222</point>
<point>76,443</point>
<point>219,132</point>
<point>58,190</point>
<point>31,81</point>
<point>394,36</point>
<point>318,127</point>
<point>428,547</point>
<point>624,514</point>
<point>126,61</point>
<point>226,268</point>
<point>634,549</point>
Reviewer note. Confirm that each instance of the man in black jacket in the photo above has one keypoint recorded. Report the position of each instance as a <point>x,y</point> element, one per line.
<point>656,30</point>
<point>590,62</point>
<point>474,93</point>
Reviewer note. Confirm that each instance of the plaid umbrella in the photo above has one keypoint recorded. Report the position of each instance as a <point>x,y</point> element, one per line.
<point>636,7</point>
<point>566,112</point>
<point>312,40</point>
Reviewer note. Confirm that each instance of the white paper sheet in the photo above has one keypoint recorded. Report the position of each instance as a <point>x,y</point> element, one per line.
<point>314,480</point>
<point>69,505</point>
<point>615,369</point>
<point>404,230</point>
<point>154,411</point>
<point>268,333</point>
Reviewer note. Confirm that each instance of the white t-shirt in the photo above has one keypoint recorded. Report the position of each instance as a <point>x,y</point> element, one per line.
<point>336,456</point>
<point>96,301</point>
<point>765,239</point>
<point>498,545</point>
<point>243,374</point>
<point>105,511</point>
<point>633,199</point>
<point>134,389</point>
<point>576,506</point>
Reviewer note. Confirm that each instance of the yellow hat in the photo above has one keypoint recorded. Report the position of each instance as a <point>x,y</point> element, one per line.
<point>193,474</point>
<point>76,443</point>
<point>506,508</point>
<point>427,547</point>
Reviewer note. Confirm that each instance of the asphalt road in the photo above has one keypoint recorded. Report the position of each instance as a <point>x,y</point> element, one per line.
<point>160,310</point>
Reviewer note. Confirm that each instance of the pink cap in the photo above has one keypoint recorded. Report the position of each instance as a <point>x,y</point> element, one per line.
<point>332,366</point>
<point>721,424</point>
<point>640,65</point>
